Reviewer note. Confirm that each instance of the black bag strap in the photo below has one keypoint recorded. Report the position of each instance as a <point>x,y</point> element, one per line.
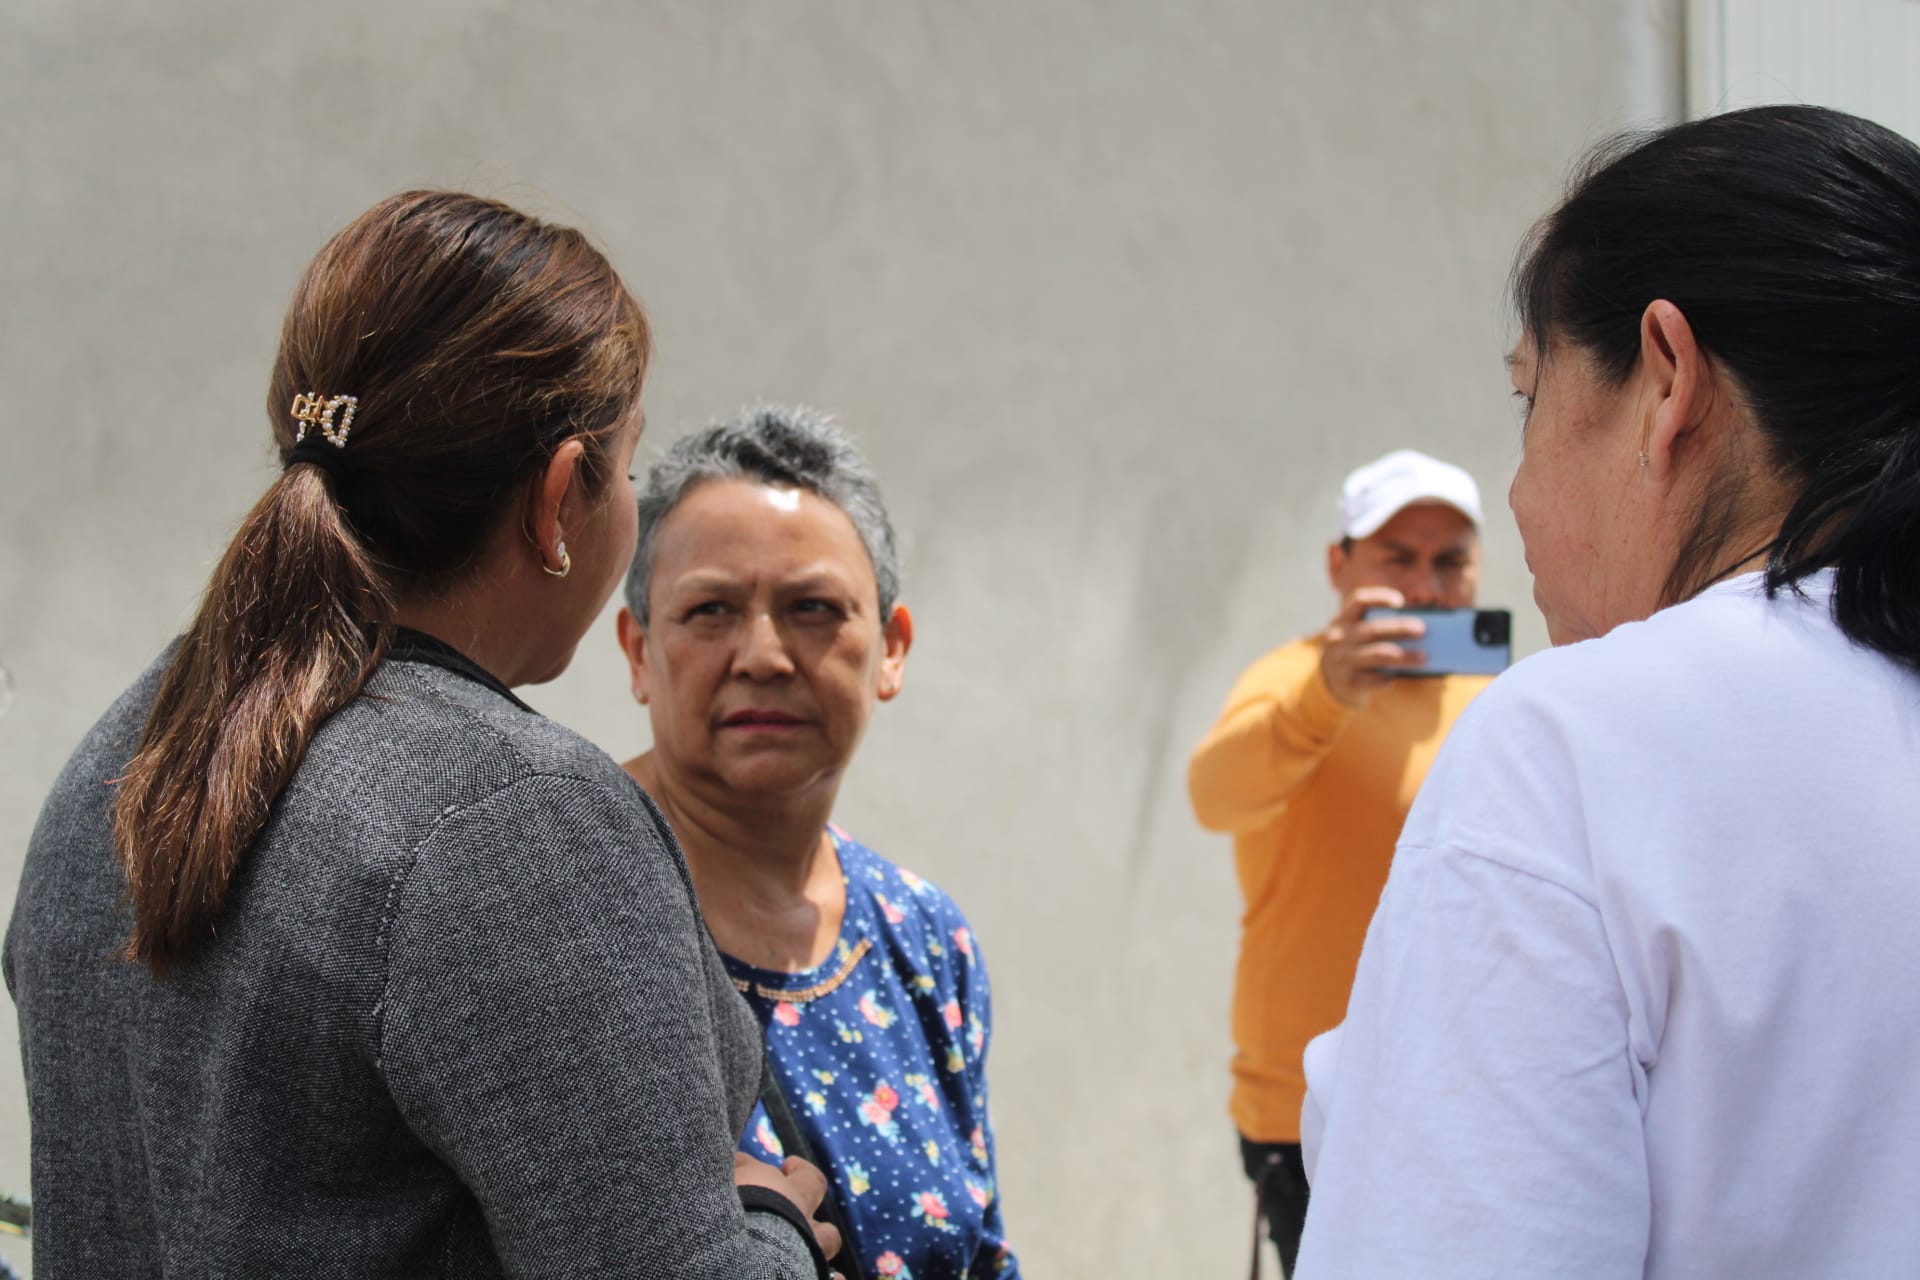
<point>795,1143</point>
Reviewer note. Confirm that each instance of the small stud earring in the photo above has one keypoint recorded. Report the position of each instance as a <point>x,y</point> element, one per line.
<point>1643,457</point>
<point>566,562</point>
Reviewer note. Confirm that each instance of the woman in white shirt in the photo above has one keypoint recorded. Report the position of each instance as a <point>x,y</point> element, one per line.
<point>1639,996</point>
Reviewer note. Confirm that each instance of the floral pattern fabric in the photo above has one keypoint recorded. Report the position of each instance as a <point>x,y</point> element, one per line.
<point>886,1075</point>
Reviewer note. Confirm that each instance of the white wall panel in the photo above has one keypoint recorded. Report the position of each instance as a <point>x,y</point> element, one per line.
<point>1861,56</point>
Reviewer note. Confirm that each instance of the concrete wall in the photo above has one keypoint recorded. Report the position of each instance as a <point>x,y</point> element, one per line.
<point>1113,291</point>
<point>1856,55</point>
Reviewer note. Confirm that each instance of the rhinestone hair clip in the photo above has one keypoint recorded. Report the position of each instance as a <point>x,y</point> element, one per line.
<point>317,411</point>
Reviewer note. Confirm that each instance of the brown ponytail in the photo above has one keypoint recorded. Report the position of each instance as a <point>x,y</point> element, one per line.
<point>476,339</point>
<point>293,624</point>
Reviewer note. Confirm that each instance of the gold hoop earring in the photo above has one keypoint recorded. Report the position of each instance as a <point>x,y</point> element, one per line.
<point>566,562</point>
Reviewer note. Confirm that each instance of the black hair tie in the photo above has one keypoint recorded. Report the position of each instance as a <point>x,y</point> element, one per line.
<point>329,458</point>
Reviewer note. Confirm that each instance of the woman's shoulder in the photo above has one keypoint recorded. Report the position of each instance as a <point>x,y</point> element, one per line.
<point>489,738</point>
<point>1673,665</point>
<point>103,751</point>
<point>1532,725</point>
<point>426,753</point>
<point>904,898</point>
<point>1573,734</point>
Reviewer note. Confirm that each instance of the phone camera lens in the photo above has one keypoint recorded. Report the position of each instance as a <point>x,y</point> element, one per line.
<point>1491,629</point>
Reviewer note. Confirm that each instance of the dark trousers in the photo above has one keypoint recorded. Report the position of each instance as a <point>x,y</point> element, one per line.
<point>1280,1189</point>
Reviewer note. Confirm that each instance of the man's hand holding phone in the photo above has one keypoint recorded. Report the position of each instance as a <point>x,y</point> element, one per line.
<point>1359,654</point>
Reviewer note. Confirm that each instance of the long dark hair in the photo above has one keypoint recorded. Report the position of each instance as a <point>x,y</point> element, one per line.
<point>476,339</point>
<point>1789,237</point>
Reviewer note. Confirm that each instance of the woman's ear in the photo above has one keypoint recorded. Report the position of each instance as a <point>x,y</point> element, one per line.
<point>633,643</point>
<point>547,504</point>
<point>1679,385</point>
<point>898,635</point>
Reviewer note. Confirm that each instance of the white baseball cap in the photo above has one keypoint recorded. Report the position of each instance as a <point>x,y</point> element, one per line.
<point>1381,490</point>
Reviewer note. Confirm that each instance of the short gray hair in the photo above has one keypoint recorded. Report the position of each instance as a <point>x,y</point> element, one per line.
<point>794,448</point>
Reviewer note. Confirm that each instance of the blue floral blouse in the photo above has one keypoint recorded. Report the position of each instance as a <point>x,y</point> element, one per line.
<point>882,1054</point>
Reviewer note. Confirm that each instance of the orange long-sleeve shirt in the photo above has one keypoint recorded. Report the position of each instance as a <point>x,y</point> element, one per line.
<point>1314,794</point>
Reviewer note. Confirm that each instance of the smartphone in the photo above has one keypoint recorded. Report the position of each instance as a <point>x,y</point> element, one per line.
<point>1459,642</point>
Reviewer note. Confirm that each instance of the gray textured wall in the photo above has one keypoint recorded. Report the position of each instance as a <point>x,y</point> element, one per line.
<point>1113,292</point>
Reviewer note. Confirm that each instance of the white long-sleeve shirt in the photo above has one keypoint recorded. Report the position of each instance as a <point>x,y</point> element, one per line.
<point>1642,995</point>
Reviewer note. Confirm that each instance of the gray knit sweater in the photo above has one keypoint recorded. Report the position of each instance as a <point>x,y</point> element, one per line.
<point>461,1019</point>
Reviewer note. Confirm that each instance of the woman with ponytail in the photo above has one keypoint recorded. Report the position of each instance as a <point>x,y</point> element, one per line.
<point>1638,999</point>
<point>332,955</point>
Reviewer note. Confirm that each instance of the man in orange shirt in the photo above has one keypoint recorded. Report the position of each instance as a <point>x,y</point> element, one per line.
<point>1311,768</point>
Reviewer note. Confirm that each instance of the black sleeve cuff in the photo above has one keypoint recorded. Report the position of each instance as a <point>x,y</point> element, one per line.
<point>769,1201</point>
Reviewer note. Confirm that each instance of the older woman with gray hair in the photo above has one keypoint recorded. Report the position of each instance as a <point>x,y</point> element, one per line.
<point>762,626</point>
